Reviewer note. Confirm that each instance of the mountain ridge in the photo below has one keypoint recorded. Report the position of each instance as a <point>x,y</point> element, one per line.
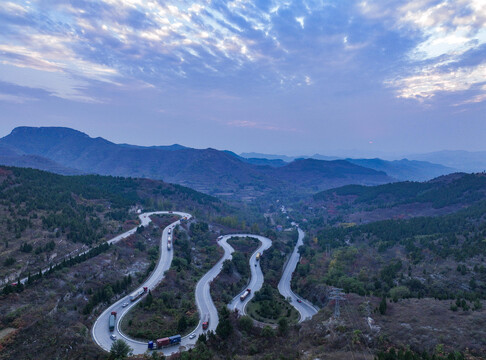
<point>208,170</point>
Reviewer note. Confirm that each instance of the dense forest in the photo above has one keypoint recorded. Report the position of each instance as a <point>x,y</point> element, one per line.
<point>384,257</point>
<point>440,192</point>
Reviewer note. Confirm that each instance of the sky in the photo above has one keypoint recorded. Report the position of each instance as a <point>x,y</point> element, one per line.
<point>286,77</point>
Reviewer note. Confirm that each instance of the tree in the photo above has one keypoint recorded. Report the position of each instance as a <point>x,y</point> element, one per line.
<point>283,325</point>
<point>383,305</point>
<point>224,328</point>
<point>246,323</point>
<point>202,338</point>
<point>148,300</point>
<point>182,324</point>
<point>267,332</point>
<point>120,350</point>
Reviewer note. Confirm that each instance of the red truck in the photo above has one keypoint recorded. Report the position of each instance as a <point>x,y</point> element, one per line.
<point>168,341</point>
<point>162,342</point>
<point>205,323</point>
<point>245,294</point>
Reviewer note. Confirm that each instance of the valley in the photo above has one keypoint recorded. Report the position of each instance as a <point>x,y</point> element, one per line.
<point>305,250</point>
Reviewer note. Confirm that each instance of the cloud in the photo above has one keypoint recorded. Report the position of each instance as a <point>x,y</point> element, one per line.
<point>431,81</point>
<point>57,84</point>
<point>447,33</point>
<point>281,45</point>
<point>16,99</point>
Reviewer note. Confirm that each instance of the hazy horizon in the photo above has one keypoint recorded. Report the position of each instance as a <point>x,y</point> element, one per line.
<point>340,153</point>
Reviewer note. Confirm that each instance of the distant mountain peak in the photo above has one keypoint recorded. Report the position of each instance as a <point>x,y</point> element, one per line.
<point>58,130</point>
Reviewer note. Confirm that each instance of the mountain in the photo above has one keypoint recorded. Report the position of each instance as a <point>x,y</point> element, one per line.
<point>442,191</point>
<point>356,204</point>
<point>401,170</point>
<point>259,161</point>
<point>254,155</point>
<point>405,169</point>
<point>207,170</point>
<point>10,157</point>
<point>287,159</point>
<point>310,172</point>
<point>160,147</point>
<point>468,161</point>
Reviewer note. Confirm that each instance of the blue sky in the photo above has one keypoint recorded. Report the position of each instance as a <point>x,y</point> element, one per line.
<point>292,77</point>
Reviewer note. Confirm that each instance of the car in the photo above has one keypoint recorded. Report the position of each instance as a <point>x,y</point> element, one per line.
<point>192,336</point>
<point>299,301</point>
<point>125,304</point>
<point>113,337</point>
<point>255,265</point>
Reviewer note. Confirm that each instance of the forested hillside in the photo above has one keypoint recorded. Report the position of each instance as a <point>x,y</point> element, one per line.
<point>355,204</point>
<point>411,264</point>
<point>440,192</point>
<point>46,217</point>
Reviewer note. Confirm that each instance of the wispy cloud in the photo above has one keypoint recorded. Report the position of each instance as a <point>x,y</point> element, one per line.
<point>16,99</point>
<point>73,47</point>
<point>448,33</point>
<point>431,81</point>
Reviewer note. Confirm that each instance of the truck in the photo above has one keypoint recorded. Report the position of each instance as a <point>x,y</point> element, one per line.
<point>258,255</point>
<point>111,321</point>
<point>138,294</point>
<point>245,294</point>
<point>205,323</point>
<point>164,342</point>
<point>176,339</point>
<point>169,245</point>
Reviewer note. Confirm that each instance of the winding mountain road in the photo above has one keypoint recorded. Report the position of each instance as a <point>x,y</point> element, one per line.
<point>304,307</point>
<point>205,304</point>
<point>100,330</point>
<point>256,279</point>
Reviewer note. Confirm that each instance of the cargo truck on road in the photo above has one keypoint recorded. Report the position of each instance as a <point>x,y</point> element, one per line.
<point>164,342</point>
<point>205,323</point>
<point>245,294</point>
<point>112,320</point>
<point>138,294</point>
